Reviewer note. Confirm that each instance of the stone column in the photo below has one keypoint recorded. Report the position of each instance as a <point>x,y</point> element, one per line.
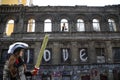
<point>104,24</point>
<point>74,53</point>
<point>109,57</point>
<point>119,21</point>
<point>56,53</point>
<point>19,25</point>
<point>91,52</point>
<point>37,47</point>
<point>73,26</point>
<point>117,25</point>
<point>55,26</point>
<point>88,25</point>
<point>109,52</point>
<point>2,24</point>
<point>3,27</point>
<point>39,26</point>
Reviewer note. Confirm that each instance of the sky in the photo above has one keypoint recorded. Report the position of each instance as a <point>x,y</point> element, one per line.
<point>75,2</point>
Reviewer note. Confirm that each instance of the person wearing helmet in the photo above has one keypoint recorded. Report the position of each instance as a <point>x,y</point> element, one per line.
<point>15,68</point>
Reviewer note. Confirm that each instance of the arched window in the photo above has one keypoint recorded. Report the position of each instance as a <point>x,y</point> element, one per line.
<point>64,25</point>
<point>31,25</point>
<point>96,25</point>
<point>9,27</point>
<point>112,25</point>
<point>47,25</point>
<point>80,25</point>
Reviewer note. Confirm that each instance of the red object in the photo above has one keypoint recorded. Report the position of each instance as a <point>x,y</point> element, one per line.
<point>16,61</point>
<point>35,71</point>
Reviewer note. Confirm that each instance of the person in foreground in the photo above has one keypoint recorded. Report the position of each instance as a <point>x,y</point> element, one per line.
<point>15,68</point>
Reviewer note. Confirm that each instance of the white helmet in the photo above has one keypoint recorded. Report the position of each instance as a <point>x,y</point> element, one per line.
<point>16,45</point>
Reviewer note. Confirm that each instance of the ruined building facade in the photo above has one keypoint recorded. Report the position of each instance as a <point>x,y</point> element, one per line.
<point>84,41</point>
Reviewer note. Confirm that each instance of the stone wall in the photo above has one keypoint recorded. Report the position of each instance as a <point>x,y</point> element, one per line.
<point>65,57</point>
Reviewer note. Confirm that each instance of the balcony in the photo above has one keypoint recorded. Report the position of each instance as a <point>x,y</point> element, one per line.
<point>56,36</point>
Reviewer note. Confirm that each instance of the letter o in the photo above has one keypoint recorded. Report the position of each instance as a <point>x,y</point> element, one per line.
<point>47,55</point>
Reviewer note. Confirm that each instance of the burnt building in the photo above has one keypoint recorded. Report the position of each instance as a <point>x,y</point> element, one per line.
<point>84,41</point>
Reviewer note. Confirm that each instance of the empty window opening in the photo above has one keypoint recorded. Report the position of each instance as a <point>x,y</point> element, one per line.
<point>112,25</point>
<point>47,25</point>
<point>64,25</point>
<point>80,25</point>
<point>31,25</point>
<point>9,27</point>
<point>96,25</point>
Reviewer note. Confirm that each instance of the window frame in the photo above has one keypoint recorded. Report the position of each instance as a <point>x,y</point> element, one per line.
<point>80,25</point>
<point>47,25</point>
<point>96,24</point>
<point>8,30</point>
<point>31,25</point>
<point>112,24</point>
<point>64,23</point>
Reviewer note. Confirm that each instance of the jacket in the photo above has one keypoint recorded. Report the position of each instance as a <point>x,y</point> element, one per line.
<point>20,73</point>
